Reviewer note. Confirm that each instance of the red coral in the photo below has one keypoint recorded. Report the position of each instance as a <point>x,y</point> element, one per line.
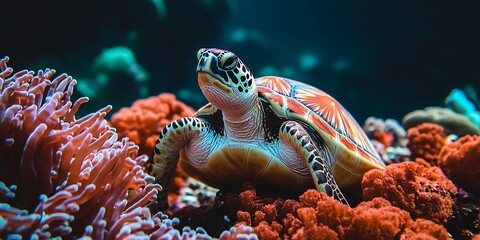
<point>386,138</point>
<point>144,120</point>
<point>421,190</point>
<point>316,216</point>
<point>376,219</point>
<point>424,229</point>
<point>460,162</point>
<point>311,228</point>
<point>332,214</point>
<point>266,231</point>
<point>426,141</point>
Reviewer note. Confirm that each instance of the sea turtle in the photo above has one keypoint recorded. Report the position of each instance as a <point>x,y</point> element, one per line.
<point>274,132</point>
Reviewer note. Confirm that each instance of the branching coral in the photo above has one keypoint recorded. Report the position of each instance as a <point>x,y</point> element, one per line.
<point>317,216</point>
<point>460,162</point>
<point>426,141</point>
<point>421,190</point>
<point>65,176</point>
<point>145,119</point>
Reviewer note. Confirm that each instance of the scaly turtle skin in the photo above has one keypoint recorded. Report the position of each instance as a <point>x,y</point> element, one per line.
<point>276,133</point>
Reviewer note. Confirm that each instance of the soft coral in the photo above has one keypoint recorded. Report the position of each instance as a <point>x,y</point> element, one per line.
<point>422,190</point>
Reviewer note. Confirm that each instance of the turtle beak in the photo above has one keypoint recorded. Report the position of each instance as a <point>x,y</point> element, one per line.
<point>205,79</point>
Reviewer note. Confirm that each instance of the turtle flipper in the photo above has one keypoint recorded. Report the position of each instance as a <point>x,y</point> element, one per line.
<point>316,154</point>
<point>172,139</point>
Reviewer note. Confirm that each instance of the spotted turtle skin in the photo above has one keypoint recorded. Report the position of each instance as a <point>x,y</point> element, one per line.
<point>276,133</point>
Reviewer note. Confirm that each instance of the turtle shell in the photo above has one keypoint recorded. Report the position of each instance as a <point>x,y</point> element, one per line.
<point>353,151</point>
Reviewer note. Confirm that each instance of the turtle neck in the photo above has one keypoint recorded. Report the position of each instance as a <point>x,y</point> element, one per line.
<point>245,122</point>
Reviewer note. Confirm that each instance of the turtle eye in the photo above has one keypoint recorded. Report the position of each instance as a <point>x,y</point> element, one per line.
<point>200,52</point>
<point>228,61</point>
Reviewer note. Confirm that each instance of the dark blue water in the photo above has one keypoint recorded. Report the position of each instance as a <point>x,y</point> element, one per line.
<point>377,58</point>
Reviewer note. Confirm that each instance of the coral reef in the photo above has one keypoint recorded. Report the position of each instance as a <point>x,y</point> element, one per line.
<point>317,216</point>
<point>426,141</point>
<point>389,138</point>
<point>145,119</point>
<point>421,190</point>
<point>460,162</point>
<point>78,178</point>
<point>452,122</point>
<point>376,128</point>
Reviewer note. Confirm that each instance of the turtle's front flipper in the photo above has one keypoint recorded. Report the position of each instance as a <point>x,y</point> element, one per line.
<point>316,156</point>
<point>173,138</point>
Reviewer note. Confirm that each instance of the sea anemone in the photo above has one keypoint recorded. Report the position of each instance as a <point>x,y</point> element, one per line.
<point>63,176</point>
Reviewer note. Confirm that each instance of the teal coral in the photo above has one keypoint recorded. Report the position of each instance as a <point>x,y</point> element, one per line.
<point>458,101</point>
<point>460,117</point>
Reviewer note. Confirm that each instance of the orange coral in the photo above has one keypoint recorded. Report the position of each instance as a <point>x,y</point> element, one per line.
<point>145,119</point>
<point>311,228</point>
<point>420,228</point>
<point>376,219</point>
<point>426,141</point>
<point>421,190</point>
<point>143,122</point>
<point>460,162</point>
<point>317,216</point>
<point>385,138</point>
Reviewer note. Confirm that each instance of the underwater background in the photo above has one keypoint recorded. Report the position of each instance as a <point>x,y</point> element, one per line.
<point>377,58</point>
<point>76,168</point>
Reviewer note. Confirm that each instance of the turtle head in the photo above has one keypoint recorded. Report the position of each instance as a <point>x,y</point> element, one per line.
<point>225,81</point>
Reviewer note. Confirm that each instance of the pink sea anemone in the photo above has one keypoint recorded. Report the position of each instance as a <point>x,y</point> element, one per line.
<point>63,176</point>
